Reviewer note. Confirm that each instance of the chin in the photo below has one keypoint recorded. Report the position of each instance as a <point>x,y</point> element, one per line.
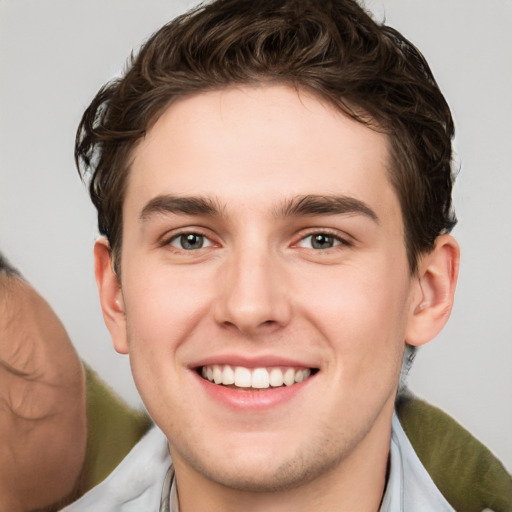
<point>267,471</point>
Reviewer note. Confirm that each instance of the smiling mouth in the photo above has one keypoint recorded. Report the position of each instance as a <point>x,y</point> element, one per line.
<point>240,377</point>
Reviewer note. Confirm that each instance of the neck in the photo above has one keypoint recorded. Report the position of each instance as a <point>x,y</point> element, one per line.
<point>355,483</point>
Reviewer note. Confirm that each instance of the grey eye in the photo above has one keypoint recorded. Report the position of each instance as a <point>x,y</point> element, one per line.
<point>319,241</point>
<point>322,241</point>
<point>190,241</point>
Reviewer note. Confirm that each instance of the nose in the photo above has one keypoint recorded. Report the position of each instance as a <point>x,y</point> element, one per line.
<point>253,295</point>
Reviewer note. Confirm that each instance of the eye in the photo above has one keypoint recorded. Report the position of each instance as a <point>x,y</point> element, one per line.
<point>320,241</point>
<point>190,241</point>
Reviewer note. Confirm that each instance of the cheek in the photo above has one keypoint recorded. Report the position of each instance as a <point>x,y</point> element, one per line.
<point>167,309</point>
<point>362,312</point>
<point>358,298</point>
<point>162,307</point>
<point>163,313</point>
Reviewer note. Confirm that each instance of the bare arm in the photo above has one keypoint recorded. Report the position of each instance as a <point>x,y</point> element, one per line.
<point>43,431</point>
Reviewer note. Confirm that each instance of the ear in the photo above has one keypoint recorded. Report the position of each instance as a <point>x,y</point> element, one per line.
<point>433,291</point>
<point>111,297</point>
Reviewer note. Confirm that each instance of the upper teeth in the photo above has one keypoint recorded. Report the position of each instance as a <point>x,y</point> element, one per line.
<point>258,378</point>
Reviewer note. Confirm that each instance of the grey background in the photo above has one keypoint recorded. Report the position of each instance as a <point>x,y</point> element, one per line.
<point>55,54</point>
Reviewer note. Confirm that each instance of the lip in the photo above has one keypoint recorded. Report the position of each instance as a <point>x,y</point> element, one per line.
<point>252,401</point>
<point>263,361</point>
<point>257,401</point>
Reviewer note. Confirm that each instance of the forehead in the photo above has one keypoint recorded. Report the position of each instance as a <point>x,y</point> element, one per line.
<point>253,146</point>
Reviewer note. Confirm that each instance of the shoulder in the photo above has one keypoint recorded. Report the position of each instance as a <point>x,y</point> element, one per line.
<point>113,428</point>
<point>469,476</point>
<point>135,484</point>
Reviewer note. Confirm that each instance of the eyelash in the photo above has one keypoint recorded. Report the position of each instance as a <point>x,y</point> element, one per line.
<point>338,241</point>
<point>168,241</point>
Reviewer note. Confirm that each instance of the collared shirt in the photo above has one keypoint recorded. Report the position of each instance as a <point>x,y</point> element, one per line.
<point>145,479</point>
<point>409,486</point>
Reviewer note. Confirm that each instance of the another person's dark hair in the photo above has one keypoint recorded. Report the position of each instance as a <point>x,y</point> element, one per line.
<point>332,48</point>
<point>6,268</point>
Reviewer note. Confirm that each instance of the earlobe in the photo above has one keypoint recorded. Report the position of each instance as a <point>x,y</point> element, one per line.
<point>432,299</point>
<point>111,297</point>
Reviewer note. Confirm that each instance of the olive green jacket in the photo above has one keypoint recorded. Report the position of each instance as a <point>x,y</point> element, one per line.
<point>463,469</point>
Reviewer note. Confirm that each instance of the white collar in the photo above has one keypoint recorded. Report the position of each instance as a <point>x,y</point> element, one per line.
<point>409,486</point>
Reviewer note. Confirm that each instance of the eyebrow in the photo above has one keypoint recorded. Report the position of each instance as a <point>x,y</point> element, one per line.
<point>184,205</point>
<point>300,206</point>
<point>310,205</point>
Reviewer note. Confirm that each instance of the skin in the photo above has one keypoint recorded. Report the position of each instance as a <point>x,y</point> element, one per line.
<point>259,290</point>
<point>42,393</point>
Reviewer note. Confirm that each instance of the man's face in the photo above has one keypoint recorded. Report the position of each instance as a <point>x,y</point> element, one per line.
<point>263,243</point>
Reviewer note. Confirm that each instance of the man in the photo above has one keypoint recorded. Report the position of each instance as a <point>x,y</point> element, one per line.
<point>260,171</point>
<point>273,182</point>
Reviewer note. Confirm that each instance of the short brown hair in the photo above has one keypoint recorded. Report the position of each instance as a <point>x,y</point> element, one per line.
<point>330,47</point>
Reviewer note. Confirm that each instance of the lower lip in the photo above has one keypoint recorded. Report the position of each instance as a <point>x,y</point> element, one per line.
<point>253,400</point>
